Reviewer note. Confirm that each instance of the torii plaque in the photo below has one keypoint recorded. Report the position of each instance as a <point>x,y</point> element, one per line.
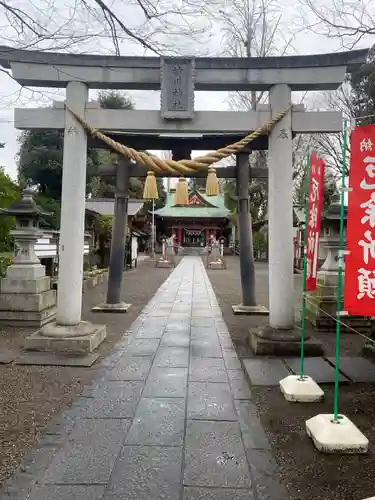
<point>177,77</point>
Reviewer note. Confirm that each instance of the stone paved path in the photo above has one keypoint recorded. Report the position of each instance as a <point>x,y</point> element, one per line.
<point>171,418</point>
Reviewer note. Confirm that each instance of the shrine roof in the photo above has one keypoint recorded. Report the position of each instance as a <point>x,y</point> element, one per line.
<point>200,206</point>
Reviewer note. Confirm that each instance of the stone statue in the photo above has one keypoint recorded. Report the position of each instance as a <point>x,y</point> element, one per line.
<point>215,245</point>
<point>169,247</point>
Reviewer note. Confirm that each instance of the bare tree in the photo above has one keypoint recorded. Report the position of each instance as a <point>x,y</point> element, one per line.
<point>254,28</point>
<point>350,22</point>
<point>330,146</point>
<point>72,25</point>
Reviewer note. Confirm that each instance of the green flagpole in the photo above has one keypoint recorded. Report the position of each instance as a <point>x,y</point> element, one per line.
<point>303,311</point>
<point>340,280</point>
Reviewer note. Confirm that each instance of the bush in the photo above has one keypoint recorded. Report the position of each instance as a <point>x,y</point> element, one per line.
<point>5,262</point>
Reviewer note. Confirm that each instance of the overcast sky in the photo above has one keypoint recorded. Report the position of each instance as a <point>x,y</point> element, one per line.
<point>209,42</point>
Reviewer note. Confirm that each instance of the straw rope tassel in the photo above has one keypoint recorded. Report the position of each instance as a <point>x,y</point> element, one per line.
<point>157,164</point>
<point>181,196</point>
<point>150,190</point>
<point>212,184</point>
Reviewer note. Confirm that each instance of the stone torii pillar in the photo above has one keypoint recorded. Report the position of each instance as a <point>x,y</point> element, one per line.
<point>69,333</point>
<point>116,263</point>
<point>281,336</point>
<point>247,269</point>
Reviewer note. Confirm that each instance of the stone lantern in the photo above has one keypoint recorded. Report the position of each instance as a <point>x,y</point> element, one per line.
<point>167,256</point>
<point>321,306</point>
<point>26,298</point>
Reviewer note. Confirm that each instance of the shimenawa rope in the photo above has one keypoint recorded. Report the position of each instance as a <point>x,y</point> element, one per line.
<point>157,164</point>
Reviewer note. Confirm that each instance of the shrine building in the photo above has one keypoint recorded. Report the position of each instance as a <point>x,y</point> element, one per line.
<point>194,223</point>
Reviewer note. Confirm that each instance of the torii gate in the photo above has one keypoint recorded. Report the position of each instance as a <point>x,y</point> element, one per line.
<point>277,75</point>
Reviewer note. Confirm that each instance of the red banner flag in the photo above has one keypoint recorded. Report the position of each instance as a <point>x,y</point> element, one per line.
<point>314,215</point>
<point>359,292</point>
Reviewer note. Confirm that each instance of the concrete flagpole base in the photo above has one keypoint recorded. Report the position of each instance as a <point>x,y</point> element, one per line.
<point>121,307</point>
<point>76,339</point>
<point>301,390</point>
<point>257,310</point>
<point>336,437</point>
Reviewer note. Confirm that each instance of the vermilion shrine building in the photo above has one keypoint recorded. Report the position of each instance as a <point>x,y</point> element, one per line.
<point>194,223</point>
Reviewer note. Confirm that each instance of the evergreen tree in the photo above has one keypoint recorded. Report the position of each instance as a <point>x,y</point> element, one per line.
<point>41,154</point>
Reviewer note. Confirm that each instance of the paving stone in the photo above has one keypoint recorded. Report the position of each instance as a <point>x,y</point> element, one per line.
<point>204,321</point>
<point>175,339</point>
<point>204,332</point>
<point>142,458</point>
<point>265,372</point>
<point>180,328</point>
<point>172,356</point>
<point>158,421</point>
<point>264,472</point>
<point>90,454</point>
<point>231,360</point>
<point>210,401</point>
<point>215,456</point>
<point>205,348</point>
<point>157,312</point>
<point>226,342</point>
<point>143,347</point>
<point>317,368</point>
<point>179,317</point>
<point>48,359</point>
<point>238,384</point>
<point>207,370</point>
<point>113,400</point>
<point>67,493</point>
<point>166,383</point>
<point>202,312</point>
<point>131,368</point>
<point>145,473</point>
<point>149,332</point>
<point>217,494</point>
<point>7,356</point>
<point>253,434</point>
<point>356,368</point>
<point>181,309</point>
<point>154,323</point>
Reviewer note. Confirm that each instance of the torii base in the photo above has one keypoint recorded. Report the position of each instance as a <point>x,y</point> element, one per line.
<point>78,339</point>
<point>257,310</point>
<point>121,307</point>
<point>269,341</point>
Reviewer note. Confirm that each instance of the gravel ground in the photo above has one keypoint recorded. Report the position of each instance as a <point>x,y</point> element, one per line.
<point>227,286</point>
<point>307,474</point>
<point>31,395</point>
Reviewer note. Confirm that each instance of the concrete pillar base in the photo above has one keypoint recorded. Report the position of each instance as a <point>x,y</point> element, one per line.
<point>336,437</point>
<point>77,339</point>
<point>269,341</point>
<point>121,307</point>
<point>301,390</point>
<point>250,310</point>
